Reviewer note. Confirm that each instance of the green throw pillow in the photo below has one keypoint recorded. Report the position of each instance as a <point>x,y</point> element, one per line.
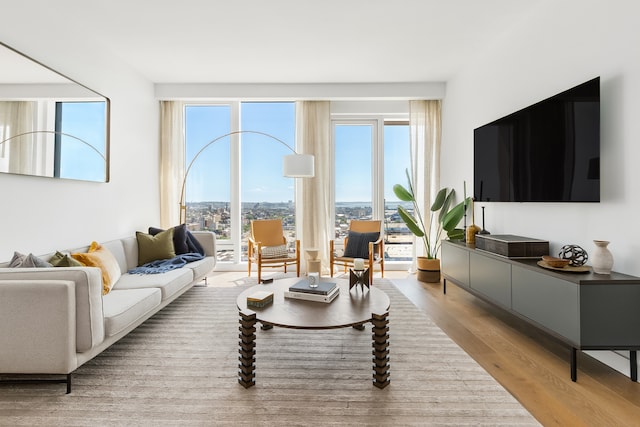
<point>152,248</point>
<point>64,260</point>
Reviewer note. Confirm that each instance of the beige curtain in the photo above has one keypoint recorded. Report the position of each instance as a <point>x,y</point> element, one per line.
<point>172,155</point>
<point>23,154</point>
<point>425,133</point>
<point>313,130</point>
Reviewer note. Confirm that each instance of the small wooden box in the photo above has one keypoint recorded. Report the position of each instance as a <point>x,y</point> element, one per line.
<point>260,299</point>
<point>511,246</point>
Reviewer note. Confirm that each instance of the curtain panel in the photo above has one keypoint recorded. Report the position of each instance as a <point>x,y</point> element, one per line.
<point>26,154</point>
<point>313,134</point>
<point>172,159</point>
<point>425,127</point>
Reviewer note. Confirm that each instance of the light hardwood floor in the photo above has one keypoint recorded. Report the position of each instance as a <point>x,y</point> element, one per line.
<point>533,366</point>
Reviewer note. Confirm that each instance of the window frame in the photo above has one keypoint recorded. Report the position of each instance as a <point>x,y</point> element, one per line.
<point>378,123</point>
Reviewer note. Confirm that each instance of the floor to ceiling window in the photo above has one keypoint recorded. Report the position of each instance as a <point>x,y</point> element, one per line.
<point>239,177</point>
<point>370,156</point>
<point>265,192</point>
<point>398,239</point>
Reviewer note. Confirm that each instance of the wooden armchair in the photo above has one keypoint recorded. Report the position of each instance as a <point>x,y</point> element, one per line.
<point>367,242</point>
<point>267,247</point>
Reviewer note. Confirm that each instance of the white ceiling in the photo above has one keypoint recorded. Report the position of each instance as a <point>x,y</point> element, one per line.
<point>290,41</point>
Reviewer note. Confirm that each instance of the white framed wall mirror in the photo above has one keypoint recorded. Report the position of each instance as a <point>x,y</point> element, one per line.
<point>50,125</point>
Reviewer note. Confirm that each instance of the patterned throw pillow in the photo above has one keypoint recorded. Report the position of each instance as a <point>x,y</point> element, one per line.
<point>101,257</point>
<point>274,251</point>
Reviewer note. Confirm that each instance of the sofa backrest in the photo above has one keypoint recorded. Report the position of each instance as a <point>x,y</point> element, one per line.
<point>116,247</point>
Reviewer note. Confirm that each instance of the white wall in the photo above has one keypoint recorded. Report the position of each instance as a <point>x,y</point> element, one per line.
<point>567,43</point>
<point>41,214</point>
<point>563,44</point>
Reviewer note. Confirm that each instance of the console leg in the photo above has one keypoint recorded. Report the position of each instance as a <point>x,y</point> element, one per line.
<point>444,286</point>
<point>633,361</point>
<point>246,368</point>
<point>380,335</point>
<point>574,363</point>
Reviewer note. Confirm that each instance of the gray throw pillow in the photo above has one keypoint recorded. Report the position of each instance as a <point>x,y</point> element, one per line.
<point>27,261</point>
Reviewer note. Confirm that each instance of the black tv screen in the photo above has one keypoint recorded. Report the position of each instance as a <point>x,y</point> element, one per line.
<point>547,152</point>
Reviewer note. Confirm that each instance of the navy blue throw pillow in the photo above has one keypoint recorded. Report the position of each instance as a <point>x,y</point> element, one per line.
<point>358,244</point>
<point>193,244</point>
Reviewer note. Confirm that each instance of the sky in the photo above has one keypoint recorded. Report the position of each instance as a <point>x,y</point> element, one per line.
<point>261,156</point>
<point>86,121</point>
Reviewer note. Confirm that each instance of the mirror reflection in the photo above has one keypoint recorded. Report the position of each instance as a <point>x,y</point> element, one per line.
<point>50,125</point>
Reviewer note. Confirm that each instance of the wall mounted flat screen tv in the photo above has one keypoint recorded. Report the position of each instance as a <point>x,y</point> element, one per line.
<point>547,152</point>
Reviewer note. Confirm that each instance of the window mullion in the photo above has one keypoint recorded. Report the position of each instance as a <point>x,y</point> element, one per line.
<point>236,183</point>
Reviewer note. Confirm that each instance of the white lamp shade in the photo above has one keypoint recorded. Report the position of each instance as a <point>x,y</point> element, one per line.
<point>298,166</point>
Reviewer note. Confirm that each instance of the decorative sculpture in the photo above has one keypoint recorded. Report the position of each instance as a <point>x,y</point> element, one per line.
<point>575,254</point>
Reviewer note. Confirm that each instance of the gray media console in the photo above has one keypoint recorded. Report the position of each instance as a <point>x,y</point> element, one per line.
<point>587,311</point>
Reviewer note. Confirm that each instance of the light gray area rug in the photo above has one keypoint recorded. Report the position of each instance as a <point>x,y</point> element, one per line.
<point>180,369</point>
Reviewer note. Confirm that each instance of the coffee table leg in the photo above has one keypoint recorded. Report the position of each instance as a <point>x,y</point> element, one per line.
<point>246,368</point>
<point>380,334</point>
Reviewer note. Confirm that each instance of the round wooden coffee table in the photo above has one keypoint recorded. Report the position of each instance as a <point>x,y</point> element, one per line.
<point>349,308</point>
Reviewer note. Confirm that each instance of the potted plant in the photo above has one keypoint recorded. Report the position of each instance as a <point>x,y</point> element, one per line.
<point>442,218</point>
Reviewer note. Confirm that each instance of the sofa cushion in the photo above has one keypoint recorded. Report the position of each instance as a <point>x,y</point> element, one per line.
<point>151,248</point>
<point>202,267</point>
<point>123,307</point>
<point>100,257</point>
<point>170,282</point>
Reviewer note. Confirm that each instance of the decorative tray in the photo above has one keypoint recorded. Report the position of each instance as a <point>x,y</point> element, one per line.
<point>567,269</point>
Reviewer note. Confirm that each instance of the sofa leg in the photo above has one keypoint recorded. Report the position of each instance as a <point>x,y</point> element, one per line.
<point>30,380</point>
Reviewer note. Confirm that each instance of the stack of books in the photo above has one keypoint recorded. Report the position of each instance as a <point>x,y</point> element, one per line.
<point>324,292</point>
<point>260,299</point>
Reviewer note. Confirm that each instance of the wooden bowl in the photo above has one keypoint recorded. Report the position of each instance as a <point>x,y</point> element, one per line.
<point>555,262</point>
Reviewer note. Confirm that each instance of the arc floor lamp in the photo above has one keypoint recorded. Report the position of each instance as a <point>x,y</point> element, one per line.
<point>293,165</point>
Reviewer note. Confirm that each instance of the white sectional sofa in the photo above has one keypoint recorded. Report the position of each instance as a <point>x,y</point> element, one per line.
<point>54,319</point>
